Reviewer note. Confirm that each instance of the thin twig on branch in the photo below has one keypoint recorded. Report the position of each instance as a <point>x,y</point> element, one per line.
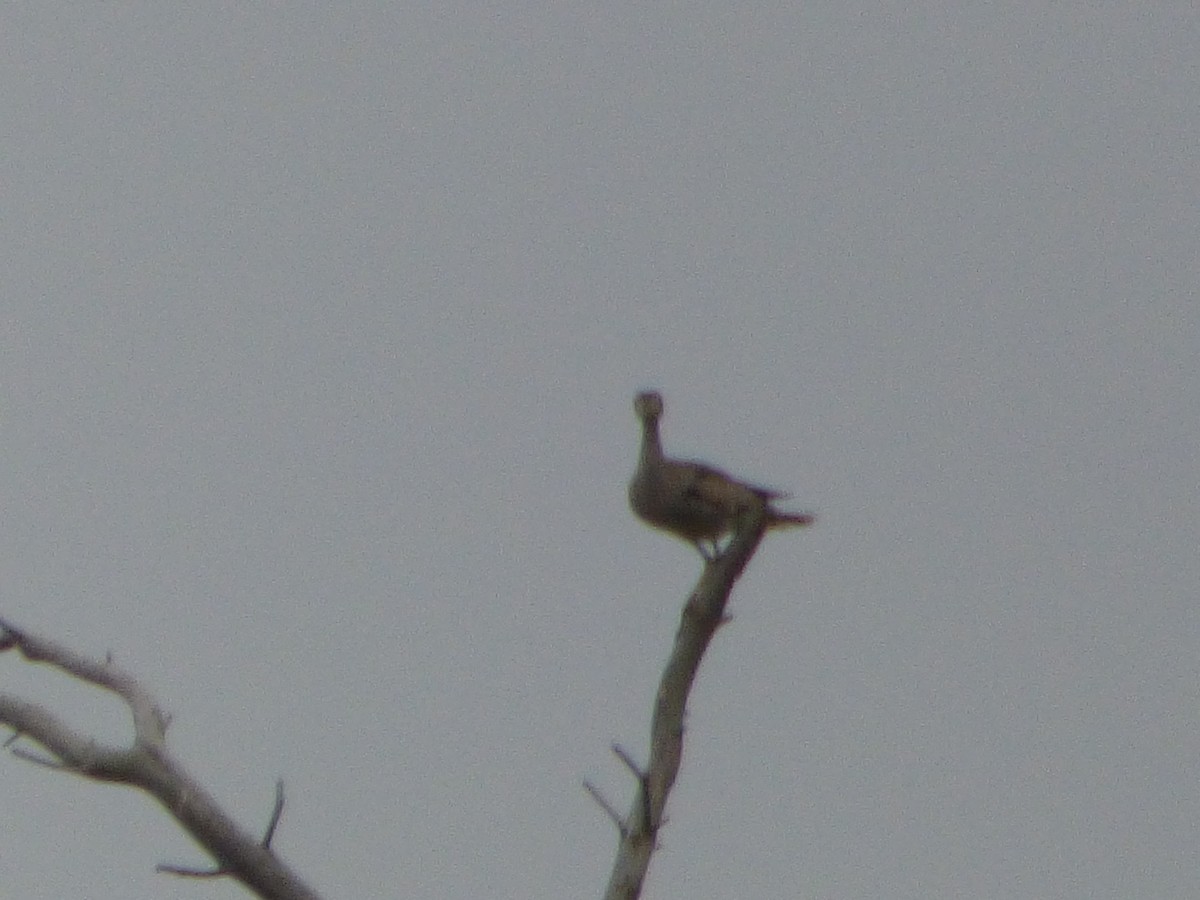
<point>189,872</point>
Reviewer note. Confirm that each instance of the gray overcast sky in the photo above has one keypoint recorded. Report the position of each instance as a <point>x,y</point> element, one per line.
<point>320,329</point>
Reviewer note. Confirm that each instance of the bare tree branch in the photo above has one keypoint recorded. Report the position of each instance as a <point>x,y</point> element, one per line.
<point>703,614</point>
<point>190,872</point>
<point>146,764</point>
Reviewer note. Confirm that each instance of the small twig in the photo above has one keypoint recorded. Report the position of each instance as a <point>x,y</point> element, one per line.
<point>622,828</point>
<point>275,814</point>
<point>643,787</point>
<point>624,757</point>
<point>183,872</point>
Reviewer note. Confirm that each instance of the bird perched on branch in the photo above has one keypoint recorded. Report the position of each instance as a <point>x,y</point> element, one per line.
<point>690,499</point>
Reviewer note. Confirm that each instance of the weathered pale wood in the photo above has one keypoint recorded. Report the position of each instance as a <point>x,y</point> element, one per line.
<point>146,764</point>
<point>703,614</point>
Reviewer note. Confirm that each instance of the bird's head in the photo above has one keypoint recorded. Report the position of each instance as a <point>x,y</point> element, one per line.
<point>648,405</point>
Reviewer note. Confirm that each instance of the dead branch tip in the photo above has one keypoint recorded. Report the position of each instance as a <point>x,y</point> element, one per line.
<point>622,828</point>
<point>276,813</point>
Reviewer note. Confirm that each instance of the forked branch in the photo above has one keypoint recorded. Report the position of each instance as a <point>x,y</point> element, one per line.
<point>146,764</point>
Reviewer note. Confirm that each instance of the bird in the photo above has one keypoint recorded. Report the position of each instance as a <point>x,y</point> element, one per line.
<point>694,501</point>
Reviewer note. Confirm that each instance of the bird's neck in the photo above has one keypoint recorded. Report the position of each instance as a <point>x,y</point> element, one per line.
<point>651,448</point>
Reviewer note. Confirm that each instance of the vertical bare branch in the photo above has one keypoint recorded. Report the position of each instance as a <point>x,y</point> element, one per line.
<point>702,616</point>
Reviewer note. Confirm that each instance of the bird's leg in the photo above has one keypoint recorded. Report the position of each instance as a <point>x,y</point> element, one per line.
<point>722,543</point>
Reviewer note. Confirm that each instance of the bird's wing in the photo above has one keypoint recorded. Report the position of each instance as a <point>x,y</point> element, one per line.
<point>716,489</point>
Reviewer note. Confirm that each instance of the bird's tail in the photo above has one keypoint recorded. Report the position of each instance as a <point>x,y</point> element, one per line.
<point>789,520</point>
